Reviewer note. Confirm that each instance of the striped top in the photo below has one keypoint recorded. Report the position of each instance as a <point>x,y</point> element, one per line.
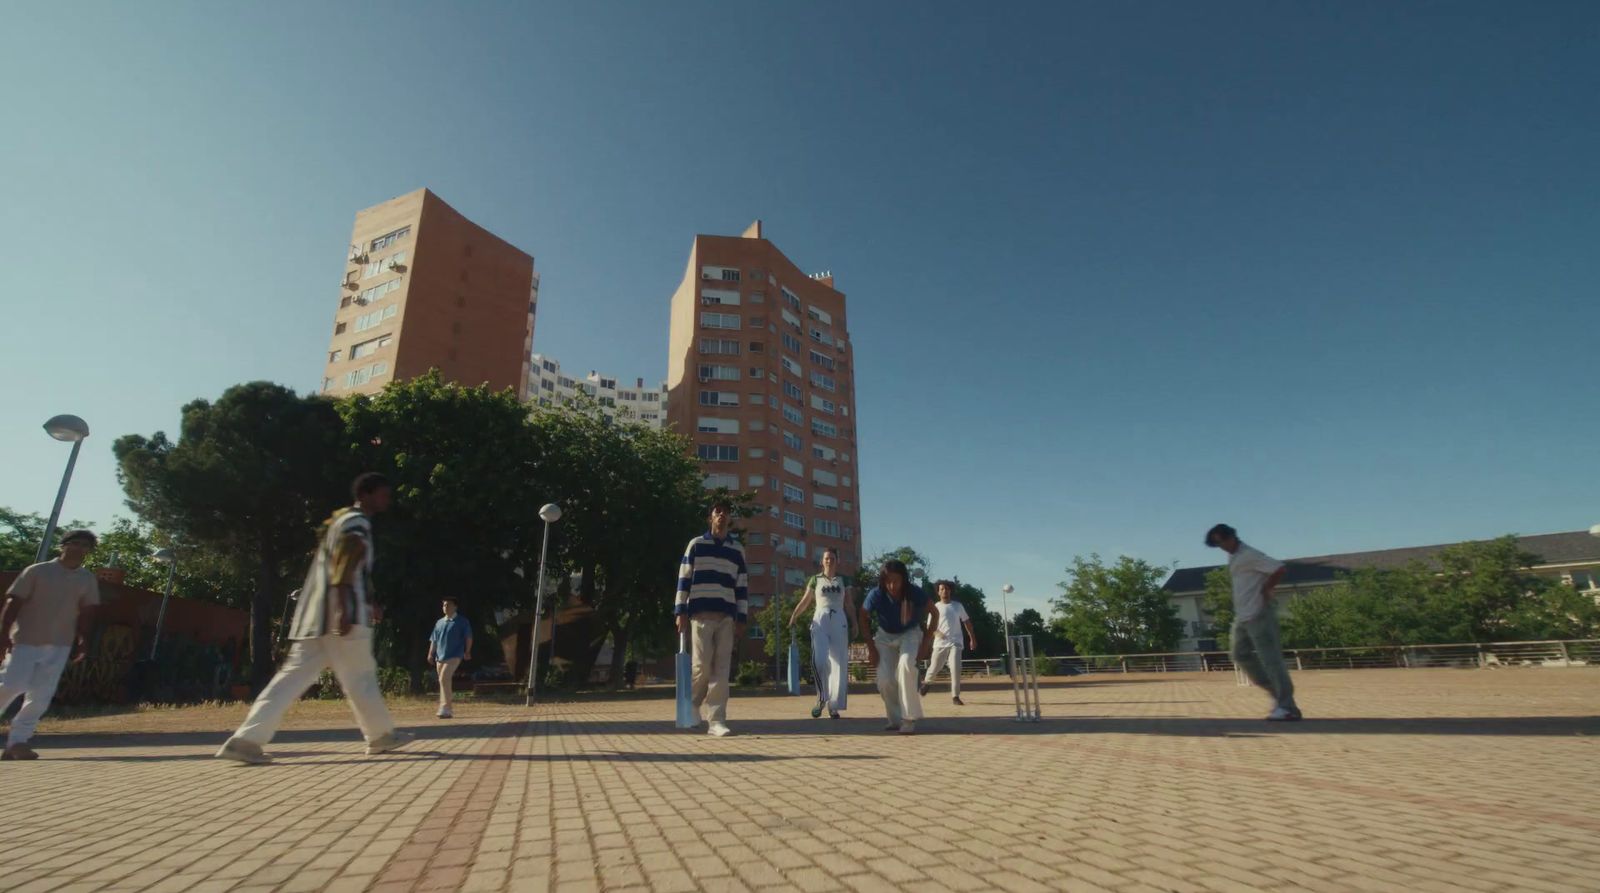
<point>712,577</point>
<point>311,611</point>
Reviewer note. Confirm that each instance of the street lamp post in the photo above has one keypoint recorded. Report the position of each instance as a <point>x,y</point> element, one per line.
<point>550,514</point>
<point>1005,622</point>
<point>168,557</point>
<point>63,428</point>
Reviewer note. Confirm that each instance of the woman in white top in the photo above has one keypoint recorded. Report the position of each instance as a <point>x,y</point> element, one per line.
<point>833,621</point>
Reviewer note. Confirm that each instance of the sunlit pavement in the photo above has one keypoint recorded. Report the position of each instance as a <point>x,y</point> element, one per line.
<point>1440,780</point>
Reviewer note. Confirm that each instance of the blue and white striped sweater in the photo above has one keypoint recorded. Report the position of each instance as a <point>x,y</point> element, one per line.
<point>712,577</point>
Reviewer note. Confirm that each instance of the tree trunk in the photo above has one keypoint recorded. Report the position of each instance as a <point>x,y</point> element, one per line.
<point>261,601</point>
<point>619,655</point>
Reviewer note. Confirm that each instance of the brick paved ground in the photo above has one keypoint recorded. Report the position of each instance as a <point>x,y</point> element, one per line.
<point>1431,780</point>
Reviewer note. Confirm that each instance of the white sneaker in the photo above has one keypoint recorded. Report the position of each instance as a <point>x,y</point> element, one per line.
<point>444,713</point>
<point>908,728</point>
<point>394,740</point>
<point>1279,714</point>
<point>719,730</point>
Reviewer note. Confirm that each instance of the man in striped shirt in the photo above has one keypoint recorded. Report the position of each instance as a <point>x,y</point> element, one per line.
<point>332,627</point>
<point>712,607</point>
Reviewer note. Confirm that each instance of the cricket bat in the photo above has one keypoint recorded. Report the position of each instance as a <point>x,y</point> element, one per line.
<point>686,717</point>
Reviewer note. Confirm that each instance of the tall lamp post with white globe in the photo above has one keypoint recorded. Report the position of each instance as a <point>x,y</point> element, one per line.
<point>168,557</point>
<point>550,514</point>
<point>68,429</point>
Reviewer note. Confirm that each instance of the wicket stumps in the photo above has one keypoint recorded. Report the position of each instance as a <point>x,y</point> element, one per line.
<point>1024,678</point>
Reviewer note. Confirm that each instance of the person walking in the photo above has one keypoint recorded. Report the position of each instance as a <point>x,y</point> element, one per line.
<point>44,625</point>
<point>833,626</point>
<point>899,610</point>
<point>948,641</point>
<point>712,606</point>
<point>450,644</point>
<point>332,627</point>
<point>1254,641</point>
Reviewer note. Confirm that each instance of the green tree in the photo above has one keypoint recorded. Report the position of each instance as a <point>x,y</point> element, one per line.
<point>248,477</point>
<point>1116,609</point>
<point>777,633</point>
<point>1046,639</point>
<point>917,567</point>
<point>1217,604</point>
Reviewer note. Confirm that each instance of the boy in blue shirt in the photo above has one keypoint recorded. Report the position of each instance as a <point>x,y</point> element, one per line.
<point>450,644</point>
<point>899,611</point>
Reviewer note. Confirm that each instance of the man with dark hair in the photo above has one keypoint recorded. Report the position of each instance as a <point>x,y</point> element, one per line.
<point>947,639</point>
<point>332,627</point>
<point>44,624</point>
<point>712,606</point>
<point>1255,641</point>
<point>448,646</point>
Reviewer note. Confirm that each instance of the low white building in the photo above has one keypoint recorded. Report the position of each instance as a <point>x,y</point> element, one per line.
<point>549,386</point>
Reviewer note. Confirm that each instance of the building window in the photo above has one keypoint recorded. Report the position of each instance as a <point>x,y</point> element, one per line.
<point>794,467</point>
<point>758,425</point>
<point>715,297</point>
<point>824,501</point>
<point>356,377</point>
<point>548,366</point>
<point>719,373</point>
<point>826,527</point>
<point>792,415</point>
<point>334,355</point>
<point>717,426</point>
<point>826,478</point>
<point>819,315</point>
<point>717,452</point>
<point>376,317</point>
<point>847,506</point>
<point>791,390</point>
<point>790,366</point>
<point>389,238</point>
<point>790,298</point>
<point>719,398</point>
<point>757,399</point>
<point>847,480</point>
<point>755,371</point>
<point>821,337</point>
<point>821,404</point>
<point>721,321</point>
<point>757,322</point>
<point>791,441</point>
<point>548,385</point>
<point>754,480</point>
<point>758,347</point>
<point>790,341</point>
<point>338,328</point>
<point>792,519</point>
<point>791,493</point>
<point>369,347</point>
<point>825,382</point>
<point>825,362</point>
<point>721,479</point>
<point>755,538</point>
<point>822,452</point>
<point>730,275</point>
<point>757,452</point>
<point>818,426</point>
<point>719,346</point>
<point>758,298</point>
<point>344,302</point>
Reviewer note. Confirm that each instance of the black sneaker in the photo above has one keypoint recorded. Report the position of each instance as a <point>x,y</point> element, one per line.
<point>923,690</point>
<point>816,710</point>
<point>958,702</point>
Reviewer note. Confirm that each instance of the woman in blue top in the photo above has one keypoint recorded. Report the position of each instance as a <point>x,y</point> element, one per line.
<point>899,610</point>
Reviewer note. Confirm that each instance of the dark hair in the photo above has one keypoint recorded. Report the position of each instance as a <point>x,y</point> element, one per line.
<point>950,583</point>
<point>893,566</point>
<point>369,482</point>
<point>80,534</point>
<point>451,599</point>
<point>1215,535</point>
<point>720,503</point>
<point>833,549</point>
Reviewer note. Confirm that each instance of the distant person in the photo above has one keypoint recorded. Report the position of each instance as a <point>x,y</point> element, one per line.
<point>712,607</point>
<point>44,624</point>
<point>899,610</point>
<point>833,625</point>
<point>947,639</point>
<point>450,644</point>
<point>1255,641</point>
<point>332,627</point>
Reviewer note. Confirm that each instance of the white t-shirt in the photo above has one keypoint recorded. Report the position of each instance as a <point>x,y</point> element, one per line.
<point>951,615</point>
<point>1249,569</point>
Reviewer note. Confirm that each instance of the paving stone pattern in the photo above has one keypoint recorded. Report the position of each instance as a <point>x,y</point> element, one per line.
<point>1431,780</point>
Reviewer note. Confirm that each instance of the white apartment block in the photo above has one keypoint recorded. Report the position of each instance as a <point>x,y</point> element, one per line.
<point>549,386</point>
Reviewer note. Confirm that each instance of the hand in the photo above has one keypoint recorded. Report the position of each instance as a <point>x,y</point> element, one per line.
<point>466,657</point>
<point>430,658</point>
<point>683,623</point>
<point>377,614</point>
<point>5,644</point>
<point>80,650</point>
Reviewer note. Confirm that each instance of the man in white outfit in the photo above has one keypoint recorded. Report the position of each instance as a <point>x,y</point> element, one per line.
<point>43,626</point>
<point>332,627</point>
<point>947,639</point>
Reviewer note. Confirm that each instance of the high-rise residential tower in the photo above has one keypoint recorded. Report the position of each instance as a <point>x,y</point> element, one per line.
<point>760,374</point>
<point>425,287</point>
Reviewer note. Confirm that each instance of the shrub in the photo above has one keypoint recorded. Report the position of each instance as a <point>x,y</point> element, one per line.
<point>394,681</point>
<point>1043,666</point>
<point>858,672</point>
<point>751,672</point>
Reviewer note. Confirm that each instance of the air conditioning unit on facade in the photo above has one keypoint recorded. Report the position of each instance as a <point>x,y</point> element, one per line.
<point>362,300</point>
<point>351,284</point>
<point>397,266</point>
<point>357,256</point>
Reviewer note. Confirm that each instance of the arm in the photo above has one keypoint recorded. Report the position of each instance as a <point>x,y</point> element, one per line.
<point>467,654</point>
<point>1272,583</point>
<point>680,603</point>
<point>929,623</point>
<point>741,594</point>
<point>865,625</point>
<point>805,601</point>
<point>8,616</point>
<point>80,647</point>
<point>850,615</point>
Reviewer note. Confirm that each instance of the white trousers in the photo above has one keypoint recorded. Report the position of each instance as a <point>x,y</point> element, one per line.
<point>897,673</point>
<point>31,672</point>
<point>830,654</point>
<point>350,656</point>
<point>711,640</point>
<point>945,652</point>
<point>447,678</point>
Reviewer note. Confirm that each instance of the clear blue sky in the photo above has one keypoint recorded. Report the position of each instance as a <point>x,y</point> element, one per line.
<point>1117,271</point>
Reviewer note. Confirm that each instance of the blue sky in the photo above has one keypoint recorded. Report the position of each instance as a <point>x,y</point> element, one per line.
<point>1116,271</point>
